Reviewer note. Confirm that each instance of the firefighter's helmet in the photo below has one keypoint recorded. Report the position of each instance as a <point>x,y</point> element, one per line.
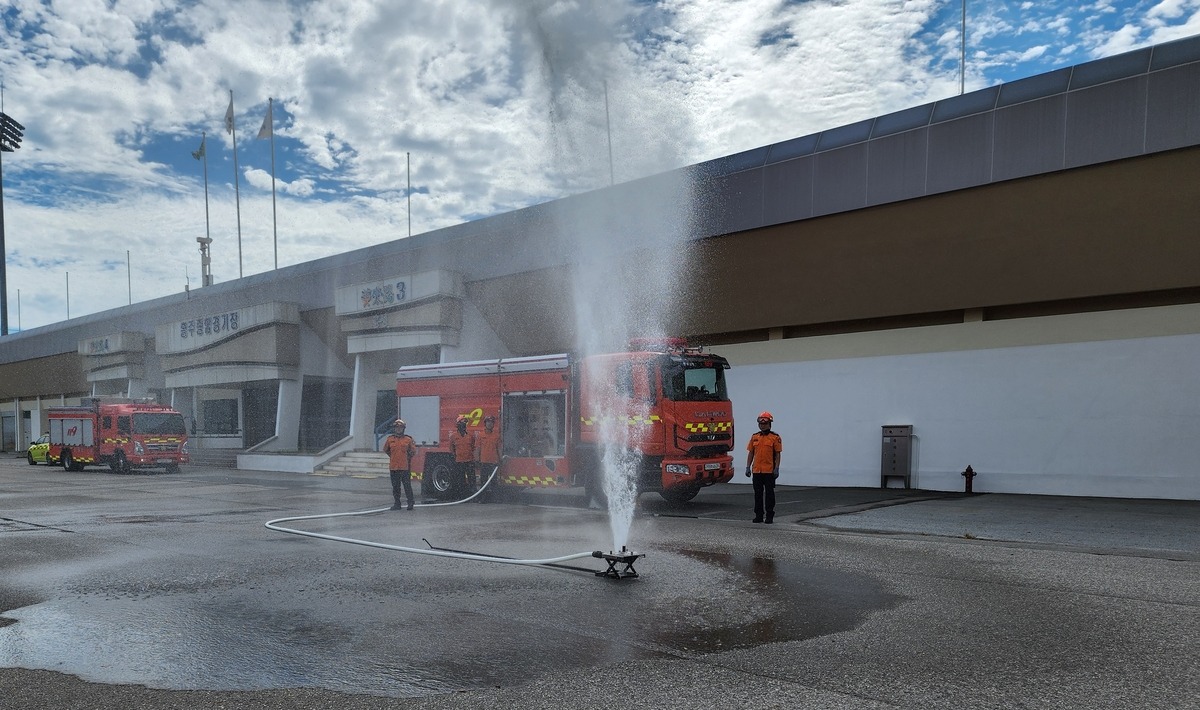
<point>489,418</point>
<point>399,423</point>
<point>765,417</point>
<point>462,419</point>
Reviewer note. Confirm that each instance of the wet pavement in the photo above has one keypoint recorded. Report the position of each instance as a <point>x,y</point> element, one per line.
<point>164,590</point>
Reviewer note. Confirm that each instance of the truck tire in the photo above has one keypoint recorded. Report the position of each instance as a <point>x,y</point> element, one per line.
<point>119,463</point>
<point>679,494</point>
<point>69,463</point>
<point>438,479</point>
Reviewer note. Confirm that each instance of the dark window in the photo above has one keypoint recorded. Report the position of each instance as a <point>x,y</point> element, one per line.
<point>533,425</point>
<point>220,416</point>
<point>694,381</point>
<point>624,380</point>
<point>158,423</point>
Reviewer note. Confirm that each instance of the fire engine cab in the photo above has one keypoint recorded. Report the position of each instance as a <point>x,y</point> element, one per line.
<point>122,434</point>
<point>662,407</point>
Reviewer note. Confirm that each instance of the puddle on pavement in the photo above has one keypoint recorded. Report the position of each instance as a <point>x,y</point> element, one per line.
<point>775,600</point>
<point>172,647</point>
<point>687,604</point>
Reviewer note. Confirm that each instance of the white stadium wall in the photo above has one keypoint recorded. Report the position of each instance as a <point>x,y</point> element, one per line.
<point>1117,417</point>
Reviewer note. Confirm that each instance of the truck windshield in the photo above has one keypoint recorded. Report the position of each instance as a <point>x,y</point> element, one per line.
<point>698,380</point>
<point>158,423</point>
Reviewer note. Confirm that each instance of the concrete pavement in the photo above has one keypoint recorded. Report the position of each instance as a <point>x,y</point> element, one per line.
<point>157,591</point>
<point>1169,528</point>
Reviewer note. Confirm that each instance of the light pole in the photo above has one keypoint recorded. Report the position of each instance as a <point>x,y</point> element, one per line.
<point>11,133</point>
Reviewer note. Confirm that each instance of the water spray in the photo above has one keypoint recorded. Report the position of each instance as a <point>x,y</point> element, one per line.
<point>555,562</point>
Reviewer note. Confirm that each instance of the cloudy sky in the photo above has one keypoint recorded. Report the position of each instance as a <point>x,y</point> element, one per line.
<point>495,105</point>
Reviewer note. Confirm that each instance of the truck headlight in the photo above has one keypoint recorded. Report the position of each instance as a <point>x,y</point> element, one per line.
<point>677,468</point>
<point>137,448</point>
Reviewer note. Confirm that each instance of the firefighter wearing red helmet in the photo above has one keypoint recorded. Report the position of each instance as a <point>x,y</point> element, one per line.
<point>762,466</point>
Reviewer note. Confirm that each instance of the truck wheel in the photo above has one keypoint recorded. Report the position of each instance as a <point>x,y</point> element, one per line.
<point>119,463</point>
<point>679,494</point>
<point>68,462</point>
<point>438,480</point>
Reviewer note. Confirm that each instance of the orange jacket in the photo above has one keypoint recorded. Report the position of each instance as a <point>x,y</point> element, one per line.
<point>462,446</point>
<point>489,446</point>
<point>400,450</point>
<point>764,448</point>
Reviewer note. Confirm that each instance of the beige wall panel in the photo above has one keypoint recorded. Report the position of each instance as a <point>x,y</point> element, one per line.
<point>276,344</point>
<point>57,374</point>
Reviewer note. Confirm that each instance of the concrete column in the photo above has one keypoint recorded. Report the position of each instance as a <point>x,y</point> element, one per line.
<point>18,422</point>
<point>136,388</point>
<point>287,415</point>
<point>362,403</point>
<point>35,419</point>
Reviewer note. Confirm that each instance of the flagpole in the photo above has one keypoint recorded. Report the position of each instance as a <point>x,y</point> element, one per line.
<point>608,131</point>
<point>204,156</point>
<point>274,215</point>
<point>237,191</point>
<point>962,52</point>
<point>408,164</point>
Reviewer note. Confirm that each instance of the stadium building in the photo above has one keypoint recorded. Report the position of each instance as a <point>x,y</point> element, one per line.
<point>1008,279</point>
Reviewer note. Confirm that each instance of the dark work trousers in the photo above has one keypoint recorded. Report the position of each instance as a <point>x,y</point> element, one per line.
<point>465,476</point>
<point>764,492</point>
<point>402,480</point>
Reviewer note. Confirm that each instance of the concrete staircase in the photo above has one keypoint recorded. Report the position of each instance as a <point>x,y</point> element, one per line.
<point>356,463</point>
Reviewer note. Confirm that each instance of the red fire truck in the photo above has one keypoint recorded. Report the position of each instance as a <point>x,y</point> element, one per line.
<point>662,403</point>
<point>121,433</point>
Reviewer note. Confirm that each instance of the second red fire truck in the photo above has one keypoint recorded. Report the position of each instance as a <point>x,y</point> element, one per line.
<point>662,404</point>
<point>122,434</point>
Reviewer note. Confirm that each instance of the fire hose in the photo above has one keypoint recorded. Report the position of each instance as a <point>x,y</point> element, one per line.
<point>436,552</point>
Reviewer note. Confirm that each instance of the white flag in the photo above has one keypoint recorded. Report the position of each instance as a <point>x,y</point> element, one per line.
<point>268,126</point>
<point>229,115</point>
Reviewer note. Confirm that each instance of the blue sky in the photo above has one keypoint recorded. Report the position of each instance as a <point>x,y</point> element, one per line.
<point>499,104</point>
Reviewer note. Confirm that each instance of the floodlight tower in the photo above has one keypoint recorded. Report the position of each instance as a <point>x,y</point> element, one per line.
<point>11,133</point>
<point>205,261</point>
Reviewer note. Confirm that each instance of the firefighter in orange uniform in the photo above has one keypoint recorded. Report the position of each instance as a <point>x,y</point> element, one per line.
<point>400,450</point>
<point>487,452</point>
<point>462,445</point>
<point>762,465</point>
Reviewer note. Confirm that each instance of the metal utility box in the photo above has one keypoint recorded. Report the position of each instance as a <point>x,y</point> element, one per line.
<point>897,454</point>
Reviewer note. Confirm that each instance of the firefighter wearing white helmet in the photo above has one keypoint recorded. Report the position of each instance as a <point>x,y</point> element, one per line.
<point>462,446</point>
<point>400,450</point>
<point>762,466</point>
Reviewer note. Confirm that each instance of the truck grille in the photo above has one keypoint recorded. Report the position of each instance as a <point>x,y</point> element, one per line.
<point>707,452</point>
<point>163,448</point>
<point>708,437</point>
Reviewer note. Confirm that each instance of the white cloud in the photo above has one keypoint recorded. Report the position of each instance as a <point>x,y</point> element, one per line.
<point>1032,53</point>
<point>500,104</point>
<point>1168,9</point>
<point>1123,40</point>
